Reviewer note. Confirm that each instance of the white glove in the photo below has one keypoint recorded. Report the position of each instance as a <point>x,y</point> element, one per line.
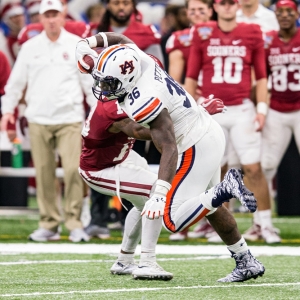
<point>154,207</point>
<point>82,49</point>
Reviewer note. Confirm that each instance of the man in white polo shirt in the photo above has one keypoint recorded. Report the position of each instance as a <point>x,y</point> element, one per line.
<point>46,66</point>
<point>253,12</point>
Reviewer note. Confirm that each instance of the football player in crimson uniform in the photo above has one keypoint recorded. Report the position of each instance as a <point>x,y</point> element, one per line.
<point>178,44</point>
<point>283,63</point>
<point>226,51</point>
<point>190,141</point>
<point>109,166</point>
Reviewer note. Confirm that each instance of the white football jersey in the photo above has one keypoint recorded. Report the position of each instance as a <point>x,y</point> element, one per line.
<point>156,90</point>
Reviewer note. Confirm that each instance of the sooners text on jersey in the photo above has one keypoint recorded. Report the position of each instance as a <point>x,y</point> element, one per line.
<point>226,59</point>
<point>283,63</point>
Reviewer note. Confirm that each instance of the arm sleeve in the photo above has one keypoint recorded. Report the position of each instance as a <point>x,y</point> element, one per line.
<point>258,55</point>
<point>16,83</point>
<point>194,64</point>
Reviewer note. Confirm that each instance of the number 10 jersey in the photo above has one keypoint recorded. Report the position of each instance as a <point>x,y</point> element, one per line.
<point>226,59</point>
<point>156,90</point>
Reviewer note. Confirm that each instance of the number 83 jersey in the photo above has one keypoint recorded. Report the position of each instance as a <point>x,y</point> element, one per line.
<point>154,91</point>
<point>226,59</point>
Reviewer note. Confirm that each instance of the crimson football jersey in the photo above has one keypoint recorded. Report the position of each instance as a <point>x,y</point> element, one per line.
<point>81,29</point>
<point>141,34</point>
<point>226,59</point>
<point>283,63</point>
<point>180,40</point>
<point>102,149</point>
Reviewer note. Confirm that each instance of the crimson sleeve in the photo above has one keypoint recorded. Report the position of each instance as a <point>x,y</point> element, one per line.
<point>194,64</point>
<point>5,71</point>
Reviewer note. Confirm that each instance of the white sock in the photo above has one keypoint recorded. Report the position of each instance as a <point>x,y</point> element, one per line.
<point>132,230</point>
<point>148,256</point>
<point>125,257</point>
<point>239,247</point>
<point>265,218</point>
<point>150,234</point>
<point>256,219</point>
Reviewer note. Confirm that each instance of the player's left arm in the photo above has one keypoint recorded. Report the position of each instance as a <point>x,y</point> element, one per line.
<point>259,65</point>
<point>163,137</point>
<point>162,132</point>
<point>130,128</point>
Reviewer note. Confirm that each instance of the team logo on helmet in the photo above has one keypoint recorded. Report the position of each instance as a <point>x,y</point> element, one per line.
<point>125,66</point>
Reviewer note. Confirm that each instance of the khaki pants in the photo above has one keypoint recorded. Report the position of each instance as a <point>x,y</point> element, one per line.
<point>66,138</point>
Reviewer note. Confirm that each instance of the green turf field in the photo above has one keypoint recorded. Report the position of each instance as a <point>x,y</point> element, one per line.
<point>87,276</point>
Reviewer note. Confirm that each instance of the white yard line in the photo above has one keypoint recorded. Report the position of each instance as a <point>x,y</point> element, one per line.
<point>78,261</point>
<point>36,294</point>
<point>38,248</point>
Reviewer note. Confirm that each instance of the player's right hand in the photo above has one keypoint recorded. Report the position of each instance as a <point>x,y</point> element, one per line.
<point>154,207</point>
<point>82,49</point>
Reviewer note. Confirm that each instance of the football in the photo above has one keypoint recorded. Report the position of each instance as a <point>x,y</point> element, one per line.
<point>90,60</point>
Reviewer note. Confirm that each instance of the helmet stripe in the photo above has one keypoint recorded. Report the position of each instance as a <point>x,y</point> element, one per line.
<point>106,55</point>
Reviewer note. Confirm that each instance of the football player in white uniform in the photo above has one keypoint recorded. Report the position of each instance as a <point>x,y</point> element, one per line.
<point>190,141</point>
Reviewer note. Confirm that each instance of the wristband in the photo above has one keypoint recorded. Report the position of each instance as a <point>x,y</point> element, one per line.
<point>162,187</point>
<point>262,108</point>
<point>92,41</point>
<point>104,37</point>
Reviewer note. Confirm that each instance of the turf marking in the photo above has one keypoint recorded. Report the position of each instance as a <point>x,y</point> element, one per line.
<point>225,286</point>
<point>80,261</point>
<point>39,248</point>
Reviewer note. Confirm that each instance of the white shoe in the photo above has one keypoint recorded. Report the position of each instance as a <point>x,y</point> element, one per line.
<point>151,270</point>
<point>78,235</point>
<point>123,268</point>
<point>270,235</point>
<point>97,231</point>
<point>213,237</point>
<point>179,236</point>
<point>201,230</point>
<point>253,233</point>
<point>44,235</point>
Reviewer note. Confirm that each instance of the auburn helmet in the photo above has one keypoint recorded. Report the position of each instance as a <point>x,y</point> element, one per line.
<point>116,72</point>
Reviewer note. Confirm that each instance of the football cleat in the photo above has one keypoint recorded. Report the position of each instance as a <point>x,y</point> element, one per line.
<point>253,233</point>
<point>123,268</point>
<point>270,235</point>
<point>247,267</point>
<point>233,186</point>
<point>152,271</point>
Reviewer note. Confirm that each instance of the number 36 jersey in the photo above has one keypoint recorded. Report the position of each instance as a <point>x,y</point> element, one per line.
<point>226,59</point>
<point>283,62</point>
<point>154,91</point>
